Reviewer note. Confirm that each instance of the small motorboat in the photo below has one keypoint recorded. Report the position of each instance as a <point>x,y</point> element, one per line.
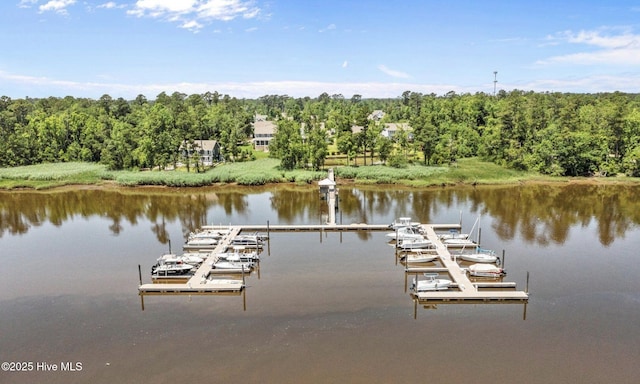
<point>458,243</point>
<point>201,243</point>
<point>481,256</point>
<point>249,241</point>
<point>478,257</point>
<point>453,234</point>
<point>171,267</point>
<point>403,222</point>
<point>486,270</point>
<point>431,283</point>
<point>405,233</point>
<point>419,257</point>
<point>239,253</point>
<point>423,243</point>
<point>186,258</point>
<point>235,265</point>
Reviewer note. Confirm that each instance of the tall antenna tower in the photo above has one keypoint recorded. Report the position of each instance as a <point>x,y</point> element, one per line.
<point>495,81</point>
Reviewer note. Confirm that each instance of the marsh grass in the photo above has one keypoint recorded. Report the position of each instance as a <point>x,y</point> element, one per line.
<point>53,171</point>
<point>50,175</point>
<point>265,171</point>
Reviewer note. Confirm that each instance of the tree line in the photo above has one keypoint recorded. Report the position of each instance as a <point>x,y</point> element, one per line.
<point>561,134</point>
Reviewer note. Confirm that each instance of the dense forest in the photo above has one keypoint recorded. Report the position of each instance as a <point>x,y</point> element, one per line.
<point>551,133</point>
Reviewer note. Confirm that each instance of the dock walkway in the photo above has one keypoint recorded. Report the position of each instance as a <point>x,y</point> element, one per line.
<point>467,291</point>
<point>198,283</point>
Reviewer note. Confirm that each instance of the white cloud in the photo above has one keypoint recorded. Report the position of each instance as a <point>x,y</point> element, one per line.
<point>617,49</point>
<point>252,29</point>
<point>345,64</point>
<point>111,5</point>
<point>192,25</point>
<point>197,11</point>
<point>58,6</point>
<point>393,73</point>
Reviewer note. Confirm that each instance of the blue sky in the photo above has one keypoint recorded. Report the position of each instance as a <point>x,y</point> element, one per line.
<point>250,48</point>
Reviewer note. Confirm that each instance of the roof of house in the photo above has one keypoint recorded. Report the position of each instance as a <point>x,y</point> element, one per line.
<point>376,115</point>
<point>397,126</point>
<point>206,145</point>
<point>264,127</point>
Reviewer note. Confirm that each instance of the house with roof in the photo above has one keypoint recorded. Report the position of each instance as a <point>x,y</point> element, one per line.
<point>263,133</point>
<point>391,129</point>
<point>208,151</point>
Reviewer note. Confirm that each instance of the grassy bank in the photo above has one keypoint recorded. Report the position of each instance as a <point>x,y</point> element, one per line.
<point>266,171</point>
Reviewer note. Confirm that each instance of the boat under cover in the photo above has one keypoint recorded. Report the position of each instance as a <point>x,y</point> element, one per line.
<point>486,270</point>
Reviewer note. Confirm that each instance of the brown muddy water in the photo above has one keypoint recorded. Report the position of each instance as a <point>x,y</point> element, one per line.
<point>325,308</point>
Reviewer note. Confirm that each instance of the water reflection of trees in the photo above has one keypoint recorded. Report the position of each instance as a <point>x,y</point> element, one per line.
<point>540,214</point>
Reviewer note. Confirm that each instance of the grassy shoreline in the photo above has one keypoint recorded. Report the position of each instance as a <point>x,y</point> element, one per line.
<point>266,171</point>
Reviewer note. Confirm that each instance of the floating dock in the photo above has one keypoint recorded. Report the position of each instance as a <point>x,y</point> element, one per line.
<point>199,282</point>
<point>463,290</point>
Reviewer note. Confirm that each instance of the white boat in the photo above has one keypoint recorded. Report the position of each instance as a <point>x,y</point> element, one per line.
<point>201,243</point>
<point>478,257</point>
<point>419,257</point>
<point>486,270</point>
<point>453,234</point>
<point>405,233</point>
<point>403,222</point>
<point>187,258</point>
<point>431,283</point>
<point>458,243</point>
<point>171,267</point>
<point>249,241</point>
<point>422,243</point>
<point>246,265</point>
<point>239,253</point>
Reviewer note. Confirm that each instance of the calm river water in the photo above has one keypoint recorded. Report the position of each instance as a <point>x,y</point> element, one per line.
<point>325,308</point>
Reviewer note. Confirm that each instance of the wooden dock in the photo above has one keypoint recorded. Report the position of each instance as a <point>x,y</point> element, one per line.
<point>355,227</point>
<point>463,290</point>
<point>198,283</point>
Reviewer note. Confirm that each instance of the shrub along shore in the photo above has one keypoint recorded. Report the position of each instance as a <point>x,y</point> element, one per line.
<point>267,171</point>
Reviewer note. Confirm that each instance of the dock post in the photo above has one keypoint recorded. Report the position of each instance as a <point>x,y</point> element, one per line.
<point>415,308</point>
<point>244,299</point>
<point>460,221</point>
<point>169,246</point>
<point>140,274</point>
<point>142,301</point>
<point>396,243</point>
<point>405,279</point>
<point>527,287</point>
<point>502,261</point>
<point>268,240</point>
<point>479,235</point>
